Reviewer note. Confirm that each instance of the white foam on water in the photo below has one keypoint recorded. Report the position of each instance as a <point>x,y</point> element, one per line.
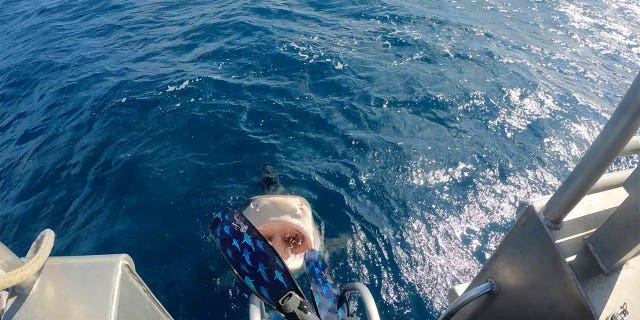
<point>180,87</point>
<point>571,150</point>
<point>522,108</point>
<point>603,31</point>
<point>439,245</point>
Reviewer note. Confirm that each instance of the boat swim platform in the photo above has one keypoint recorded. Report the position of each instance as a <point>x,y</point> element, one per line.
<point>86,287</point>
<point>546,273</point>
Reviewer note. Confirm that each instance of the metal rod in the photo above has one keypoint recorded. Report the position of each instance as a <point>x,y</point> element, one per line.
<point>611,180</point>
<point>255,308</point>
<point>466,298</point>
<point>9,262</point>
<point>610,142</point>
<point>370,307</point>
<point>633,147</point>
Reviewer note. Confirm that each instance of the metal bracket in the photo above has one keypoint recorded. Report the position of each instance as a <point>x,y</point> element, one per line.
<point>621,314</point>
<point>470,295</point>
<point>295,307</point>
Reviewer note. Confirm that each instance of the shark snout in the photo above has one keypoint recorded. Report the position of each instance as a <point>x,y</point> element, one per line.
<point>287,223</point>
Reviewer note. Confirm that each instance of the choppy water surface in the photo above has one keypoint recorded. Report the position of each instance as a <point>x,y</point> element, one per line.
<point>412,127</point>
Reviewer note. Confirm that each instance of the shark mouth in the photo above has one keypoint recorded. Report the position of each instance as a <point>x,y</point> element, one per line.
<point>287,223</point>
<point>290,243</point>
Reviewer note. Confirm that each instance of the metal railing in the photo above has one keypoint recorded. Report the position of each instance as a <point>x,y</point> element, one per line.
<point>614,140</point>
<point>370,308</point>
<point>467,297</point>
<point>257,310</point>
<point>19,276</point>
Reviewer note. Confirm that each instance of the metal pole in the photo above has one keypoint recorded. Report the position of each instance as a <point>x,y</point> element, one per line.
<point>632,147</point>
<point>255,308</point>
<point>466,298</point>
<point>370,308</point>
<point>614,137</point>
<point>611,180</point>
<point>8,262</point>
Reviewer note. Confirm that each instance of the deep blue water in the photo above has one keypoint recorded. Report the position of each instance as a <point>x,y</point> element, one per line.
<point>412,127</point>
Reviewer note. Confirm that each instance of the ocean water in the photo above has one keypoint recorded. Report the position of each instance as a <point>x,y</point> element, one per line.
<point>412,127</point>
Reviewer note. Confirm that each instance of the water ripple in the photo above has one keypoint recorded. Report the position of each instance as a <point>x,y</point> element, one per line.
<point>413,129</point>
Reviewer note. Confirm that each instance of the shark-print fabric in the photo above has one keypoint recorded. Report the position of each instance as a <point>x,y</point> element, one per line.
<point>253,259</point>
<point>325,294</point>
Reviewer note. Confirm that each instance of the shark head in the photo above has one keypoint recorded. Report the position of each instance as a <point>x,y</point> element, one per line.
<point>287,223</point>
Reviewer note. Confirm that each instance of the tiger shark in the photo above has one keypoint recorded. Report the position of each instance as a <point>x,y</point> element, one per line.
<point>286,221</point>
